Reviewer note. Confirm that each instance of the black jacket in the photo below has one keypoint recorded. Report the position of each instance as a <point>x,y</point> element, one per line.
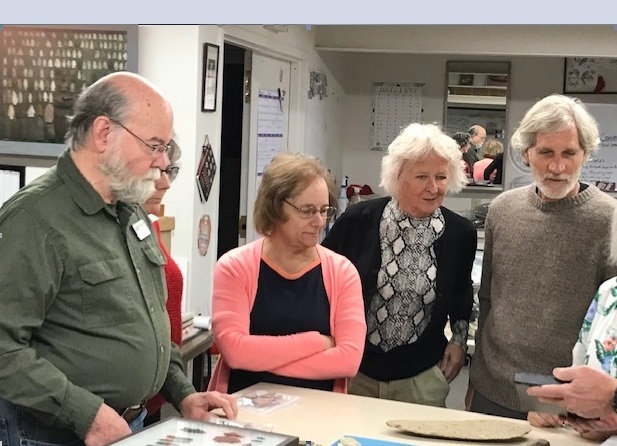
<point>497,165</point>
<point>356,235</point>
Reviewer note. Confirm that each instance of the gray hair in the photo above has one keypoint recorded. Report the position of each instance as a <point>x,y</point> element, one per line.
<point>555,113</point>
<point>474,129</point>
<point>462,138</point>
<point>174,153</point>
<point>414,143</point>
<point>102,98</point>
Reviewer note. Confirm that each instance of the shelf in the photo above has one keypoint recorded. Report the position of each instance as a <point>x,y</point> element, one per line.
<point>493,101</point>
<point>488,87</point>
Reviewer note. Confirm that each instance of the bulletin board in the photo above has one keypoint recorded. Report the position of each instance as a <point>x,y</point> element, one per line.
<point>590,75</point>
<point>42,71</point>
<point>601,169</point>
<point>394,107</point>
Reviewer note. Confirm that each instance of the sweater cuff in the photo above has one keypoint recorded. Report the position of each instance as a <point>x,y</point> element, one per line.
<point>79,409</point>
<point>460,331</point>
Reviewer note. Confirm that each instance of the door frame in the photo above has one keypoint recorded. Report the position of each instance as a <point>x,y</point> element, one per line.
<point>296,118</point>
<point>297,85</point>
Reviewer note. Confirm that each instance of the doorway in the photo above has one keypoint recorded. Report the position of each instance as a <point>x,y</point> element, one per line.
<point>231,148</point>
<point>253,131</point>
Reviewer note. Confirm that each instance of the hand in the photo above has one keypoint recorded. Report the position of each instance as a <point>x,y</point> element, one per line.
<point>452,361</point>
<point>328,341</point>
<point>539,419</point>
<point>596,435</point>
<point>605,424</point>
<point>587,393</point>
<point>197,406</point>
<point>596,430</point>
<point>107,427</point>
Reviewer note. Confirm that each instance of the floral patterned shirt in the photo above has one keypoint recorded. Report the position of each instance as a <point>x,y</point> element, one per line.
<point>597,340</point>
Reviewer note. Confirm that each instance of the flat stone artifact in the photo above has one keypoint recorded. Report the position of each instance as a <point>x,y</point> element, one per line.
<point>462,429</point>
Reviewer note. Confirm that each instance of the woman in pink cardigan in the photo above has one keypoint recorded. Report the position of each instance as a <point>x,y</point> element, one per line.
<point>285,309</point>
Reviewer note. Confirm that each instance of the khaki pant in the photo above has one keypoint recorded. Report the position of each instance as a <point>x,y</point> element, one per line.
<point>429,388</point>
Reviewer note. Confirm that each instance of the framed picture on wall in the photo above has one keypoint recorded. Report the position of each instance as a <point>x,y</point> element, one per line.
<point>592,75</point>
<point>43,69</point>
<point>210,77</point>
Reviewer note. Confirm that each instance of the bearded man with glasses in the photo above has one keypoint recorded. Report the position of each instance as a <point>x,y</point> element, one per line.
<point>84,336</point>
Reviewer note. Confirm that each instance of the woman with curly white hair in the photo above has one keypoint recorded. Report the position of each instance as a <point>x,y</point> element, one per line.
<point>415,258</point>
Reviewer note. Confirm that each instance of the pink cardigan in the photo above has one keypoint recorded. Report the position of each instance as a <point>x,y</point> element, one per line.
<point>300,355</point>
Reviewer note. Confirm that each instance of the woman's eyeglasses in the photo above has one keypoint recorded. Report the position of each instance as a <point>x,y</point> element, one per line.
<point>308,210</point>
<point>171,171</point>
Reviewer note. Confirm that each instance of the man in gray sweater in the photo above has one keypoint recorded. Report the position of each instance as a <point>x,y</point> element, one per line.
<point>546,252</point>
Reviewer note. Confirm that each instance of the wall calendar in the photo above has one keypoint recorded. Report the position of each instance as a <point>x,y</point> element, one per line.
<point>395,106</point>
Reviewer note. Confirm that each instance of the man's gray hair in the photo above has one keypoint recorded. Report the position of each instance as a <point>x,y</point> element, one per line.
<point>414,143</point>
<point>555,113</point>
<point>102,98</point>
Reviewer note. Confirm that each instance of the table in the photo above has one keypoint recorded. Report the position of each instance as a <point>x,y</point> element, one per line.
<point>324,417</point>
<point>197,349</point>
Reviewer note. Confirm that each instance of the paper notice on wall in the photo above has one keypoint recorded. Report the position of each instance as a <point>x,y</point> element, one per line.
<point>270,127</point>
<point>9,184</point>
<point>395,106</point>
<point>601,169</point>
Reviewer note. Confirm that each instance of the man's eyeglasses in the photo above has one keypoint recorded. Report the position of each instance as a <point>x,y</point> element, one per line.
<point>308,210</point>
<point>157,149</point>
<point>172,172</point>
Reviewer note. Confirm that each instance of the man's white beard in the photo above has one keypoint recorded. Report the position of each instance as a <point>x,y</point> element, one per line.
<point>123,186</point>
<point>554,193</point>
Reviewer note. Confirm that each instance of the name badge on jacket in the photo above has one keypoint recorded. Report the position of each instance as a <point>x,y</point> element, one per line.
<point>141,229</point>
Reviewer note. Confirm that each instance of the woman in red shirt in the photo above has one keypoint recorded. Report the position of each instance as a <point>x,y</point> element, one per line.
<point>173,275</point>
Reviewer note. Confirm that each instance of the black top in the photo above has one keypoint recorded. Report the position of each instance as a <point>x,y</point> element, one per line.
<point>282,307</point>
<point>356,235</point>
<point>496,165</point>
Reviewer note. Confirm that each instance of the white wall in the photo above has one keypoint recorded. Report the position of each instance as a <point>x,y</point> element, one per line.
<point>170,56</point>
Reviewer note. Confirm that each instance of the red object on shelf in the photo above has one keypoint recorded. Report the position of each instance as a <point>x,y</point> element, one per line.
<point>362,190</point>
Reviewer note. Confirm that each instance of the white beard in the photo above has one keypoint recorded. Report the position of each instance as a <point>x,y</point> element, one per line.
<point>554,192</point>
<point>123,186</point>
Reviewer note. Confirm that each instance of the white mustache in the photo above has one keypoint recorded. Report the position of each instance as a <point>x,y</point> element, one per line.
<point>558,178</point>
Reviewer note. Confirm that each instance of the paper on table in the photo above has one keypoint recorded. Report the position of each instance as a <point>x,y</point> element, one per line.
<point>263,401</point>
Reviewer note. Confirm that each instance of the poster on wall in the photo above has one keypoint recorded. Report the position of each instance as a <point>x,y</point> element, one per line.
<point>43,70</point>
<point>270,127</point>
<point>594,75</point>
<point>601,169</point>
<point>395,106</point>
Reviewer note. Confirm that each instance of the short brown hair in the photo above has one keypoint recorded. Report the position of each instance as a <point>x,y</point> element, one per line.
<point>285,177</point>
<point>492,148</point>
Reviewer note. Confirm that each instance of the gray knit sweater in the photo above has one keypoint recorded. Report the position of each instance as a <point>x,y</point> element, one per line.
<point>543,263</point>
